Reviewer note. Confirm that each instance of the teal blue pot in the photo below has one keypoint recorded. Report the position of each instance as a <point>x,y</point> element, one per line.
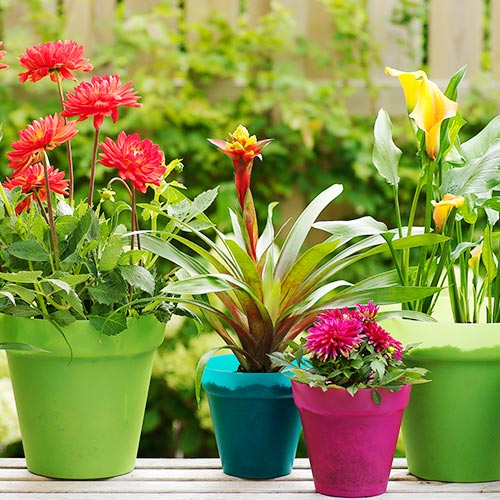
<point>256,423</point>
<point>80,414</point>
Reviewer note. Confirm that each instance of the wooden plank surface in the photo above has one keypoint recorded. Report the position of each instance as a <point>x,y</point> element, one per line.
<point>189,479</point>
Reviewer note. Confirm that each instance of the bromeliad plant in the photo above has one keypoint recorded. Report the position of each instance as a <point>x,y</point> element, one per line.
<point>458,185</point>
<point>347,348</point>
<point>257,294</point>
<point>64,259</point>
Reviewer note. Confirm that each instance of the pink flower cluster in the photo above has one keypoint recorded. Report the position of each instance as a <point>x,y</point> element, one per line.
<point>338,332</point>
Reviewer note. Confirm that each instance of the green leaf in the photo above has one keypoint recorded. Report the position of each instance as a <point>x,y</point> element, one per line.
<point>344,231</point>
<point>451,91</point>
<point>267,237</point>
<point>199,285</point>
<point>476,176</point>
<point>29,250</point>
<point>385,154</point>
<point>479,144</point>
<point>300,230</point>
<point>202,202</point>
<point>110,325</point>
<point>169,252</point>
<point>10,296</point>
<point>138,276</point>
<point>110,257</point>
<point>22,276</point>
<point>19,346</point>
<point>59,284</point>
<point>132,257</point>
<point>247,267</point>
<point>109,290</point>
<point>384,295</point>
<point>304,266</point>
<point>63,318</point>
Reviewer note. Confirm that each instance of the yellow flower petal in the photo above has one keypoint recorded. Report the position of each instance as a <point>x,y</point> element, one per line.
<point>431,109</point>
<point>411,83</point>
<point>443,208</point>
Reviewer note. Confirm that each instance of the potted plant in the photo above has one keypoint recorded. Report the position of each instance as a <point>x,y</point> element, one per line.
<point>351,386</point>
<point>258,294</point>
<point>450,427</point>
<point>80,300</point>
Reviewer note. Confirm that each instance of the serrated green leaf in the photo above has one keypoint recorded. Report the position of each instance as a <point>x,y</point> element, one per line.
<point>110,257</point>
<point>132,257</point>
<point>109,290</point>
<point>29,250</point>
<point>138,276</point>
<point>60,284</point>
<point>110,325</point>
<point>22,276</point>
<point>63,318</point>
<point>202,202</point>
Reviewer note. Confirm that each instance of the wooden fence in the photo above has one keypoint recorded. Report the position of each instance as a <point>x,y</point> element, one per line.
<point>456,32</point>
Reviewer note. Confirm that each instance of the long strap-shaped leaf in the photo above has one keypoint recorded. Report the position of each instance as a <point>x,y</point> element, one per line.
<point>169,252</point>
<point>299,273</point>
<point>295,239</point>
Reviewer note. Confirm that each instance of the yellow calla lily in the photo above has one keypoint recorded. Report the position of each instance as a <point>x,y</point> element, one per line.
<point>443,208</point>
<point>430,106</point>
<point>411,82</point>
<point>475,256</point>
<point>431,109</point>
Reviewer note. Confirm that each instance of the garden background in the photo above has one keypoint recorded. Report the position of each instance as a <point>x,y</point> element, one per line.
<point>308,73</point>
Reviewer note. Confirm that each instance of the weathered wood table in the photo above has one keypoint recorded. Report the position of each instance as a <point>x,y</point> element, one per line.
<point>203,479</point>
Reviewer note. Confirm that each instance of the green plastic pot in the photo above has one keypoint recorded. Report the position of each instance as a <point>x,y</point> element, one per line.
<point>450,428</point>
<point>81,415</point>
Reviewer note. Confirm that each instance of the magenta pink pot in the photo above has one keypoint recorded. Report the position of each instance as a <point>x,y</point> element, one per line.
<point>350,440</point>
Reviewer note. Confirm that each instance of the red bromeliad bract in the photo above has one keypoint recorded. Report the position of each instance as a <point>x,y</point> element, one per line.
<point>42,135</point>
<point>53,59</point>
<point>100,97</point>
<point>32,181</point>
<point>243,149</point>
<point>139,161</point>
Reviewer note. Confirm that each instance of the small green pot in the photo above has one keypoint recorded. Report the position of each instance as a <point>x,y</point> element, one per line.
<point>450,428</point>
<point>81,415</point>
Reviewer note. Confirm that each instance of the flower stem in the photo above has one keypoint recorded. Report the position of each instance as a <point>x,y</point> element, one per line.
<point>6,202</point>
<point>68,146</point>
<point>92,168</point>
<point>52,225</point>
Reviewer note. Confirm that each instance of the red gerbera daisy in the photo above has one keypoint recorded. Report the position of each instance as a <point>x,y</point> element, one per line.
<point>52,58</point>
<point>32,181</point>
<point>140,161</point>
<point>99,98</point>
<point>335,332</point>
<point>43,134</point>
<point>2,55</point>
